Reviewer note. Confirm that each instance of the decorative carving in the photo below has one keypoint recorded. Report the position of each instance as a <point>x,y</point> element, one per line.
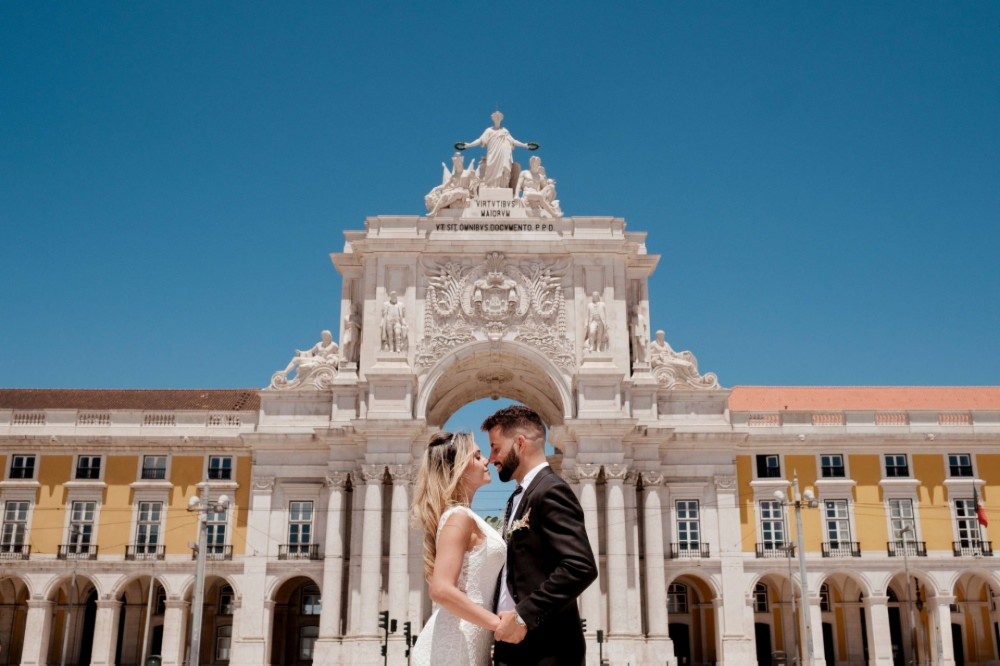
<point>494,300</point>
<point>400,473</point>
<point>652,479</point>
<point>616,472</point>
<point>263,483</point>
<point>677,369</point>
<point>337,480</point>
<point>395,333</point>
<point>588,472</point>
<point>537,190</point>
<point>314,368</point>
<point>499,152</point>
<point>725,483</point>
<point>373,473</point>
<point>596,338</point>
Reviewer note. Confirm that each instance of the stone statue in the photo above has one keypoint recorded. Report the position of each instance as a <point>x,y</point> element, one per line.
<point>457,186</point>
<point>316,366</point>
<point>499,146</point>
<point>597,325</point>
<point>537,190</point>
<point>678,369</point>
<point>394,329</point>
<point>640,338</point>
<point>352,336</point>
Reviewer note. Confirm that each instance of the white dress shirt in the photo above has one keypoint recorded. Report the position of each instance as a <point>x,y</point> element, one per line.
<point>506,602</point>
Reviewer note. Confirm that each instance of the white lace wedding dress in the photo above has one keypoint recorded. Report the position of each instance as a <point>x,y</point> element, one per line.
<point>447,640</point>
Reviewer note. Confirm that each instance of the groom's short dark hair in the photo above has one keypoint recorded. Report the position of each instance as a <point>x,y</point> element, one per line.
<point>513,418</point>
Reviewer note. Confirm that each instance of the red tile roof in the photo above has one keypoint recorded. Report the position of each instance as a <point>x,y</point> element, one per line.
<point>135,399</point>
<point>878,398</point>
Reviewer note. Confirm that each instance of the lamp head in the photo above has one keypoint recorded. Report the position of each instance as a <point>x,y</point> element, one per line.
<point>223,502</point>
<point>779,495</point>
<point>194,503</point>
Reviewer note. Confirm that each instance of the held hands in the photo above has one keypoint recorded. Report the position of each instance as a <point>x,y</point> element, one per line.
<point>509,631</point>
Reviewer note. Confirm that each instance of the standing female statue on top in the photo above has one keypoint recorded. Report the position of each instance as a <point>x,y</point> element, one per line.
<point>499,146</point>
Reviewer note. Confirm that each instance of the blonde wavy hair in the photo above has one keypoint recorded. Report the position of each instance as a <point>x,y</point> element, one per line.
<point>439,485</point>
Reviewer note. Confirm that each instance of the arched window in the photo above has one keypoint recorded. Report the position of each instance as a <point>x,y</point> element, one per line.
<point>824,598</point>
<point>677,598</point>
<point>760,598</point>
<point>226,600</point>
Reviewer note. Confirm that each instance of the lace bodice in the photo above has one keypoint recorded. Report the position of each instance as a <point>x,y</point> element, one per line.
<point>447,639</point>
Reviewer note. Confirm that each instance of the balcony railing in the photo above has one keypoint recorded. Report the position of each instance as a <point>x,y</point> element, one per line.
<point>215,552</point>
<point>154,473</point>
<point>972,548</point>
<point>913,548</point>
<point>298,551</point>
<point>77,551</point>
<point>689,549</point>
<point>144,551</point>
<point>769,549</point>
<point>841,549</point>
<point>15,551</point>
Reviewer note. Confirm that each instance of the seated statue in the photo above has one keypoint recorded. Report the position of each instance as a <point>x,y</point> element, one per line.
<point>457,186</point>
<point>677,369</point>
<point>316,366</point>
<point>538,191</point>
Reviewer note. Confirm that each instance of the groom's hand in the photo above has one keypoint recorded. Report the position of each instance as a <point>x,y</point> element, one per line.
<point>510,631</point>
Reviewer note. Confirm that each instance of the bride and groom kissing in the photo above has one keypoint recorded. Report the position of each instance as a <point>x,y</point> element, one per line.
<point>510,593</point>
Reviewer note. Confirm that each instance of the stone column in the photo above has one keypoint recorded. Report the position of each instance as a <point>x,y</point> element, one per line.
<point>371,549</point>
<point>877,617</point>
<point>333,570</point>
<point>656,588</point>
<point>251,629</point>
<point>617,550</point>
<point>35,651</point>
<point>816,622</point>
<point>105,632</point>
<point>942,650</point>
<point>175,632</point>
<point>591,598</point>
<point>399,549</point>
<point>734,624</point>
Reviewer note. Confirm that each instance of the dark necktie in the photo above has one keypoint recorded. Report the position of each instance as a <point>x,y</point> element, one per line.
<point>506,519</point>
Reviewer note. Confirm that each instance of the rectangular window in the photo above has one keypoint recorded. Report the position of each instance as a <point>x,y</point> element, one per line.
<point>147,532</point>
<point>299,527</point>
<point>688,525</point>
<point>968,525</point>
<point>772,525</point>
<point>81,526</point>
<point>311,601</point>
<point>223,642</point>
<point>307,642</point>
<point>901,517</point>
<point>838,524</point>
<point>760,598</point>
<point>768,467</point>
<point>154,467</point>
<point>88,467</point>
<point>677,601</point>
<point>226,600</point>
<point>960,464</point>
<point>220,468</point>
<point>215,526</point>
<point>15,526</point>
<point>832,466</point>
<point>22,467</point>
<point>896,466</point>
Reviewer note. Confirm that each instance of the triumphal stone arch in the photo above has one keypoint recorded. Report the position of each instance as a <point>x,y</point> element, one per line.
<point>495,292</point>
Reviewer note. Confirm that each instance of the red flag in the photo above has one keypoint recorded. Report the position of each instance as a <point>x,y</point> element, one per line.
<point>980,510</point>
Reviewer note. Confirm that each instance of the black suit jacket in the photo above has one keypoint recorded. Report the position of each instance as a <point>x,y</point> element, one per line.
<point>549,564</point>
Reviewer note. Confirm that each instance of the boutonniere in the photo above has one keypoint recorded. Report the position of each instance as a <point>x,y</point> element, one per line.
<point>519,524</point>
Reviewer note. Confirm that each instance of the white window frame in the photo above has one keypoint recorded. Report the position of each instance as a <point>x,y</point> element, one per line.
<point>5,544</point>
<point>142,466</point>
<point>885,467</point>
<point>971,465</point>
<point>94,523</point>
<point>761,519</point>
<point>967,522</point>
<point>682,518</point>
<point>231,468</point>
<point>91,456</point>
<point>139,523</point>
<point>34,467</point>
<point>843,465</point>
<point>223,642</point>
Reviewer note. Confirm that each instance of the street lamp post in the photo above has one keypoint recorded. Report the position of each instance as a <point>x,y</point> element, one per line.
<point>908,529</point>
<point>195,504</point>
<point>810,501</point>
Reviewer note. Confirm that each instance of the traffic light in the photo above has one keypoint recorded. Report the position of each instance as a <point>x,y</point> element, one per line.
<point>408,632</point>
<point>392,626</point>
<point>383,619</point>
<point>600,636</point>
<point>583,624</point>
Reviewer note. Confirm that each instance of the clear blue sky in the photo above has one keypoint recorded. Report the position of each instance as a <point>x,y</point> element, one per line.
<point>821,179</point>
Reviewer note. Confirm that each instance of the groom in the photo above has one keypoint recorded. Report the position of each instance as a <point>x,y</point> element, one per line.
<point>549,560</point>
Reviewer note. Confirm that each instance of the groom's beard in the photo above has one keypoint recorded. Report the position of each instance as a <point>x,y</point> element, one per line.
<point>507,466</point>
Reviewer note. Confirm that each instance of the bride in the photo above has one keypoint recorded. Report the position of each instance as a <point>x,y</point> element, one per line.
<point>463,555</point>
